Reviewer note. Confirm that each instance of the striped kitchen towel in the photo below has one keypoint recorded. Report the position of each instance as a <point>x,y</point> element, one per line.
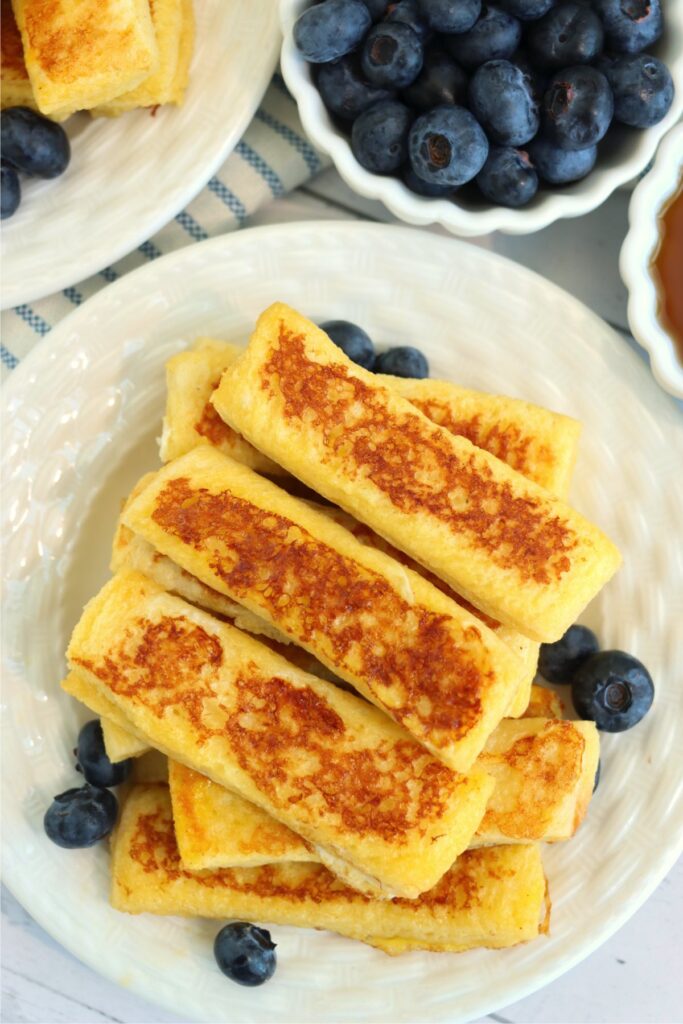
<point>271,159</point>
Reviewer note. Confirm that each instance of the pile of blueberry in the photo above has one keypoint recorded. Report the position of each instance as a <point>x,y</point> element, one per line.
<point>30,144</point>
<point>611,688</point>
<point>511,95</point>
<point>401,361</point>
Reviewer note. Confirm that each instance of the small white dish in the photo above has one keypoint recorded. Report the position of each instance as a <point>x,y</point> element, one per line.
<point>130,175</point>
<point>80,418</point>
<point>649,200</point>
<point>622,156</point>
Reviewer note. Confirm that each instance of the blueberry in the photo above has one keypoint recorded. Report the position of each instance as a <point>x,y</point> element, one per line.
<point>630,25</point>
<point>10,192</point>
<point>97,769</point>
<point>501,100</point>
<point>32,143</point>
<point>329,30</point>
<point>526,10</point>
<point>447,146</point>
<point>81,817</point>
<point>408,11</point>
<point>402,361</point>
<point>379,138</point>
<point>577,107</point>
<point>423,188</point>
<point>643,90</point>
<point>352,340</point>
<point>245,953</point>
<point>496,35</point>
<point>614,690</point>
<point>344,91</point>
<point>440,81</point>
<point>451,15</point>
<point>568,34</point>
<point>558,662</point>
<point>560,166</point>
<point>508,177</point>
<point>392,55</point>
<point>377,8</point>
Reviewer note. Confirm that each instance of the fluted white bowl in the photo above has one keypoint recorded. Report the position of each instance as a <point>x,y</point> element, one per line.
<point>622,156</point>
<point>648,202</point>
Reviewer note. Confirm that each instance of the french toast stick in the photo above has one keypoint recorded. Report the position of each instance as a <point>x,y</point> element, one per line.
<point>15,85</point>
<point>189,418</point>
<point>173,22</point>
<point>494,897</point>
<point>382,813</point>
<point>544,772</point>
<point>505,544</point>
<point>434,667</point>
<point>80,54</point>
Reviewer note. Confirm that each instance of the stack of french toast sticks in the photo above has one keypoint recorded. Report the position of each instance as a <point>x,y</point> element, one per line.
<point>104,56</point>
<point>326,613</point>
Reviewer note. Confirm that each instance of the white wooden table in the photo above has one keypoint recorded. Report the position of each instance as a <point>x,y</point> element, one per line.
<point>637,975</point>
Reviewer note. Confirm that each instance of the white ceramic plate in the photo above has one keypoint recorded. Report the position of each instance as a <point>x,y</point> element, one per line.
<point>130,175</point>
<point>81,415</point>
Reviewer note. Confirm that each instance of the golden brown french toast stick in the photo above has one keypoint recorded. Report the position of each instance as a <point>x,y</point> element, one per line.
<point>382,812</point>
<point>493,897</point>
<point>505,544</point>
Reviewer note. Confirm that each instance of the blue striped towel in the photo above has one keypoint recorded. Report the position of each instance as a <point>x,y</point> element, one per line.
<point>271,159</point>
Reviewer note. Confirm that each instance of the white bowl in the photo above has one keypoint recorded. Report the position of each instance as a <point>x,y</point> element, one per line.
<point>635,261</point>
<point>622,156</point>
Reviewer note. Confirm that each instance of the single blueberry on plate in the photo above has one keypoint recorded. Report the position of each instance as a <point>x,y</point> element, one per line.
<point>495,35</point>
<point>643,90</point>
<point>81,817</point>
<point>558,166</point>
<point>328,30</point>
<point>10,191</point>
<point>245,953</point>
<point>93,761</point>
<point>501,99</point>
<point>352,340</point>
<point>408,11</point>
<point>392,55</point>
<point>526,10</point>
<point>614,690</point>
<point>402,361</point>
<point>379,137</point>
<point>451,15</point>
<point>447,146</point>
<point>344,91</point>
<point>508,177</point>
<point>568,34</point>
<point>32,143</point>
<point>577,107</point>
<point>630,25</point>
<point>558,662</point>
<point>423,188</point>
<point>440,81</point>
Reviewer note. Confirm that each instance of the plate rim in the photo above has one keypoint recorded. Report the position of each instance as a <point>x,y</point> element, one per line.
<point>23,294</point>
<point>60,337</point>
